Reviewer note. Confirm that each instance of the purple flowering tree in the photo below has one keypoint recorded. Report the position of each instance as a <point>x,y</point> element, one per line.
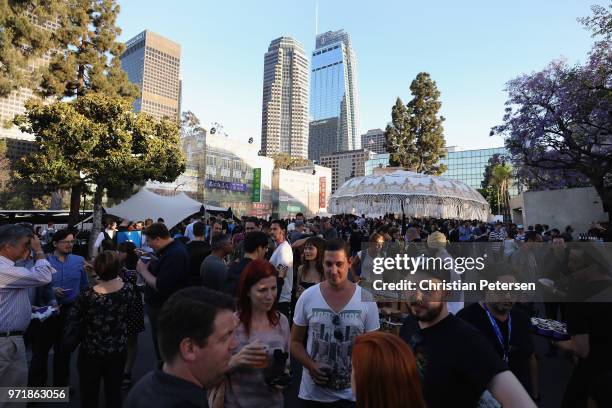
<point>558,122</point>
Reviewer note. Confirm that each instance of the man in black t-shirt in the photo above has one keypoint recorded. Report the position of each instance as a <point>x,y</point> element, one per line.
<point>508,330</point>
<point>455,361</point>
<point>255,247</point>
<point>198,249</point>
<point>166,275</point>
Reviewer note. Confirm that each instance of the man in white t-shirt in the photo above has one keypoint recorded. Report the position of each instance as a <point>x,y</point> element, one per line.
<point>333,313</point>
<point>282,259</point>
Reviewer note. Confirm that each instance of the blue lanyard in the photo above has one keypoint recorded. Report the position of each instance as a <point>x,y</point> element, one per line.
<point>498,333</point>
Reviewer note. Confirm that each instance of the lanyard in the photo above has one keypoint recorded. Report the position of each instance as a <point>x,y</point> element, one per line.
<point>498,333</point>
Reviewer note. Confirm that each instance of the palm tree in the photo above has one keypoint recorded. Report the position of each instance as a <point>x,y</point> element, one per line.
<point>501,180</point>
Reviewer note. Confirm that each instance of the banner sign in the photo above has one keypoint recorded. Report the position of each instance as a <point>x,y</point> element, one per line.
<point>322,190</point>
<point>226,185</point>
<point>256,197</point>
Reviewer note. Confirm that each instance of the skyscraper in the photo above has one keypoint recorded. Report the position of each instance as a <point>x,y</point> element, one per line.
<point>333,94</point>
<point>153,63</point>
<point>284,116</point>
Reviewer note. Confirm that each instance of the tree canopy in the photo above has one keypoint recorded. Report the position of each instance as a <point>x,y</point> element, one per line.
<point>558,122</point>
<point>98,140</point>
<point>286,162</point>
<point>24,38</point>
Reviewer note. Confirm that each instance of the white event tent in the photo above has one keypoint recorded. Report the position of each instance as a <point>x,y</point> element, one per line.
<point>146,204</point>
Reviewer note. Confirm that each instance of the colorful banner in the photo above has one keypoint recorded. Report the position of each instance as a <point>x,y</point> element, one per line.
<point>226,185</point>
<point>322,192</point>
<point>256,197</point>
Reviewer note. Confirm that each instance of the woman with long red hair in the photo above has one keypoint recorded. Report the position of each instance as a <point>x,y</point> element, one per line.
<point>385,373</point>
<point>259,369</point>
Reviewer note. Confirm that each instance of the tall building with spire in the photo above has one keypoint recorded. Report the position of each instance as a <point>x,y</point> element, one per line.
<point>334,100</point>
<point>284,116</point>
<point>153,63</point>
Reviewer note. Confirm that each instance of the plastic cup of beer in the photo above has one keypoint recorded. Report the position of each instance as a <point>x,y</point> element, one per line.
<point>264,359</point>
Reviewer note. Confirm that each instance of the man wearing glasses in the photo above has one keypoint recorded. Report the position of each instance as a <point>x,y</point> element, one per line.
<point>333,313</point>
<point>67,283</point>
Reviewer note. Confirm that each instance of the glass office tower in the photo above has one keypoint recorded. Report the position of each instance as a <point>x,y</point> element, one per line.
<point>333,94</point>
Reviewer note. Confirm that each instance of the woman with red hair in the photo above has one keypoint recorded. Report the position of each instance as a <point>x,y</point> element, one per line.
<point>385,373</point>
<point>259,369</point>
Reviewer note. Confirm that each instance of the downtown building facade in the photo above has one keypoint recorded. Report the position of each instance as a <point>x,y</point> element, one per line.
<point>153,63</point>
<point>284,121</point>
<point>346,165</point>
<point>374,140</point>
<point>334,114</point>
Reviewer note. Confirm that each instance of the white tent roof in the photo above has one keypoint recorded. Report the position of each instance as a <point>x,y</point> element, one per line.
<point>145,204</point>
<point>422,195</point>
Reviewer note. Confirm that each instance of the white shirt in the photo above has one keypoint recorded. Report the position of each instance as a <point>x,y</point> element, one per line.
<point>100,238</point>
<point>283,255</point>
<point>331,343</point>
<point>189,231</point>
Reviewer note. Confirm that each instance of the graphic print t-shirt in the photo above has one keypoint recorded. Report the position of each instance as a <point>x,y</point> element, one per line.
<point>330,340</point>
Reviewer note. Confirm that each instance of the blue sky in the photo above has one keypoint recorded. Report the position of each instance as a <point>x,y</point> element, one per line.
<point>470,48</point>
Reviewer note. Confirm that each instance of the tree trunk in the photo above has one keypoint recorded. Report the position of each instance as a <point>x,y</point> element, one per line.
<point>96,221</point>
<point>75,204</point>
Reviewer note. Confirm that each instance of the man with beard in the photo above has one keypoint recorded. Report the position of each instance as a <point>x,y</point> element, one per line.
<point>455,361</point>
<point>508,330</point>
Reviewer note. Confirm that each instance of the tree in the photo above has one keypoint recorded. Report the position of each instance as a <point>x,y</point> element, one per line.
<point>415,138</point>
<point>87,60</point>
<point>501,178</point>
<point>23,38</point>
<point>5,168</point>
<point>286,162</point>
<point>399,140</point>
<point>488,171</point>
<point>558,122</point>
<point>98,140</point>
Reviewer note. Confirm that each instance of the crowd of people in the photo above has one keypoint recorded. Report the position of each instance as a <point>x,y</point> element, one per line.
<point>236,306</point>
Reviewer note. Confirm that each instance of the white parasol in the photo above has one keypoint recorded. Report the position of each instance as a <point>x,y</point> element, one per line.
<point>417,195</point>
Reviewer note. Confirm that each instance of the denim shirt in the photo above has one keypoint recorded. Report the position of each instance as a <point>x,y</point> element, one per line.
<point>70,275</point>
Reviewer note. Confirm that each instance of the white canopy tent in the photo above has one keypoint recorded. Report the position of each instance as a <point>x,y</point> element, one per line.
<point>145,204</point>
<point>414,194</point>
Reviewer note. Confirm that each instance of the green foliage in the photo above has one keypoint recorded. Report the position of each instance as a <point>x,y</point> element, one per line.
<point>88,54</point>
<point>22,40</point>
<point>5,167</point>
<point>97,139</point>
<point>500,181</point>
<point>286,162</point>
<point>490,194</point>
<point>415,138</point>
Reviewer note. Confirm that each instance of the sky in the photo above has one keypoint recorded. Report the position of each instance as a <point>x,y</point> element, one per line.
<point>470,48</point>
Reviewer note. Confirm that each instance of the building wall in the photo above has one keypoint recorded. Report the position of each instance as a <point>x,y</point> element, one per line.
<point>468,165</point>
<point>374,140</point>
<point>300,191</point>
<point>379,161</point>
<point>346,165</point>
<point>153,63</point>
<point>320,141</point>
<point>581,206</point>
<point>285,99</point>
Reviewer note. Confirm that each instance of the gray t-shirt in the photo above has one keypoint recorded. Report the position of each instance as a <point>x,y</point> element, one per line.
<point>213,273</point>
